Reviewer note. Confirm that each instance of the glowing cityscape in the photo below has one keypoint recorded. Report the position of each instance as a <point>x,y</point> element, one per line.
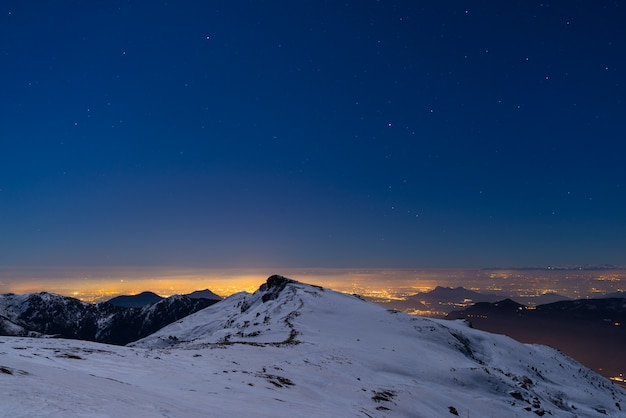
<point>382,284</point>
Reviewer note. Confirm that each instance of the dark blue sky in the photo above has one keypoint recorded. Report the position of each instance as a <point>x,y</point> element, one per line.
<point>312,134</point>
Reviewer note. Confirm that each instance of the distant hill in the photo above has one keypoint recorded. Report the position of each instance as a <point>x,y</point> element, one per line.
<point>541,299</point>
<point>591,330</point>
<point>204,294</point>
<point>135,301</point>
<point>442,300</point>
<point>446,295</point>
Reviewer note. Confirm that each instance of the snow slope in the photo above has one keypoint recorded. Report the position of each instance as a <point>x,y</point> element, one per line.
<point>292,349</point>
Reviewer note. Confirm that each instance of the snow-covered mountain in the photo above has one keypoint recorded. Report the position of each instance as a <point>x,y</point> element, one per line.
<point>292,349</point>
<point>44,313</point>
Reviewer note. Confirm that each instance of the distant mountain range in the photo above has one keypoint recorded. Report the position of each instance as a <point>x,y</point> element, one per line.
<point>127,319</point>
<point>437,302</point>
<point>447,295</point>
<point>591,330</point>
<point>443,300</point>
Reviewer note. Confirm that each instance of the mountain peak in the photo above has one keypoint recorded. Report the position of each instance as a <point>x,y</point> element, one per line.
<point>204,294</point>
<point>299,335</point>
<point>135,301</point>
<point>273,286</point>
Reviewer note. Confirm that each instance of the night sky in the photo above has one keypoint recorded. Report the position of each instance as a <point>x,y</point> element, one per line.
<point>312,134</point>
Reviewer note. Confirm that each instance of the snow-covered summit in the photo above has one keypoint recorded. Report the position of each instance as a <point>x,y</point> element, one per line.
<point>420,360</point>
<point>292,349</point>
<point>263,317</point>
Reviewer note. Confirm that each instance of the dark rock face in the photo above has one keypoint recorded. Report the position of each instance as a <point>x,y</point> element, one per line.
<point>274,285</point>
<point>66,317</point>
<point>63,316</point>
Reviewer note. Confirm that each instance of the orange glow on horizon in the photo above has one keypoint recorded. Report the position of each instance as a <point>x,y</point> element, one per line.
<point>96,285</point>
<point>101,286</point>
<point>97,290</point>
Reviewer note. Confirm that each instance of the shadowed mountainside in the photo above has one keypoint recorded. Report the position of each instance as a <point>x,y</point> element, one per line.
<point>593,331</point>
<point>40,314</point>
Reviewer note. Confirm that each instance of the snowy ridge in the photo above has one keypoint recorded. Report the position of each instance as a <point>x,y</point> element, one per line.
<point>241,318</point>
<point>345,331</point>
<point>295,349</point>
